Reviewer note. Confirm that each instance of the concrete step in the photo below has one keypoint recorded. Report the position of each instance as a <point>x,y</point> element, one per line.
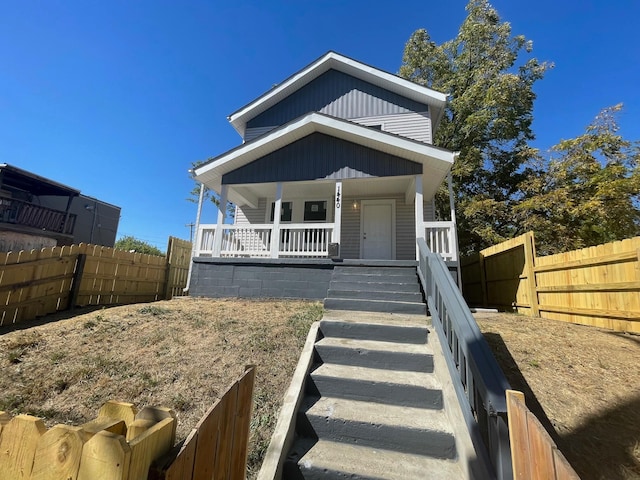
<point>390,387</point>
<point>416,334</point>
<point>412,287</point>
<point>375,306</point>
<point>375,270</point>
<point>374,277</point>
<point>415,297</point>
<point>390,427</point>
<point>326,459</point>
<point>375,354</point>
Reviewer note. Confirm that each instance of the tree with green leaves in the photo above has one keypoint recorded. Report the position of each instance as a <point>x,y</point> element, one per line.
<point>586,193</point>
<point>132,244</point>
<point>209,194</point>
<point>488,118</point>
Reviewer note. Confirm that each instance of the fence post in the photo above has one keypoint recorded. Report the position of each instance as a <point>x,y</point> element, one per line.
<point>77,279</point>
<point>529,256</point>
<point>483,281</point>
<point>168,294</point>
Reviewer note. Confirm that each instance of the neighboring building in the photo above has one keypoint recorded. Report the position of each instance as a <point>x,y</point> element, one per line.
<point>36,212</point>
<point>96,221</point>
<point>344,152</point>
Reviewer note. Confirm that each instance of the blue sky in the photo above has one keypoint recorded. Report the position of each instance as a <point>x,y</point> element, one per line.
<point>117,98</point>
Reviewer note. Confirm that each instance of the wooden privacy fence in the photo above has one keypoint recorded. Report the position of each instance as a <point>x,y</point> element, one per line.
<point>598,286</point>
<point>119,444</point>
<point>124,444</point>
<point>534,455</point>
<point>38,282</point>
<point>217,447</point>
<point>178,259</point>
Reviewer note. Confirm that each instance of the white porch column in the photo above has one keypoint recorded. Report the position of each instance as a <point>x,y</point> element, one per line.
<point>419,212</point>
<point>277,212</point>
<point>451,202</point>
<point>337,217</point>
<point>454,231</point>
<point>222,212</point>
<point>197,242</point>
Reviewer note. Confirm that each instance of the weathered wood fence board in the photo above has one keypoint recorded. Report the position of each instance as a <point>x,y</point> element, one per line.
<point>534,455</point>
<point>109,447</point>
<point>40,282</point>
<point>598,286</point>
<point>178,259</point>
<point>217,446</point>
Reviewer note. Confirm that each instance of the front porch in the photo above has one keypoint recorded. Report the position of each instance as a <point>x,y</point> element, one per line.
<point>303,240</point>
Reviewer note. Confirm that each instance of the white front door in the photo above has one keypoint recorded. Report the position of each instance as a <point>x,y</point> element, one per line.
<point>377,228</point>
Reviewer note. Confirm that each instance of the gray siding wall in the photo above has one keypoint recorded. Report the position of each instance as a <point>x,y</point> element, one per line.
<point>350,233</point>
<point>414,125</point>
<point>216,280</point>
<point>339,95</point>
<point>405,230</point>
<point>250,216</point>
<point>320,156</point>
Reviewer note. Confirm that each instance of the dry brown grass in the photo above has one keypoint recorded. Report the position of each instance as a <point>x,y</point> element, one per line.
<point>582,382</point>
<point>180,354</point>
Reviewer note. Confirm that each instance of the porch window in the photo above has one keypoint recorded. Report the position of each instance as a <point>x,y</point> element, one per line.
<point>285,213</point>
<point>315,211</point>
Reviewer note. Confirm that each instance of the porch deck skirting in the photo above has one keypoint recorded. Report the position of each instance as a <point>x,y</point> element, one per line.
<point>301,278</point>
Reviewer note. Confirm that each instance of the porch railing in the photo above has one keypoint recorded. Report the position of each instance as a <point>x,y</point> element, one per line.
<point>35,216</point>
<point>441,238</point>
<point>477,378</point>
<point>295,240</point>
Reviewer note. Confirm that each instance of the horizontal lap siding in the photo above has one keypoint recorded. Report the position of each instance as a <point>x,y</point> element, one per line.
<point>414,125</point>
<point>350,232</point>
<point>248,216</point>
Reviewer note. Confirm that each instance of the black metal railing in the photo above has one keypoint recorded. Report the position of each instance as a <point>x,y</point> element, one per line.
<point>479,382</point>
<point>27,214</point>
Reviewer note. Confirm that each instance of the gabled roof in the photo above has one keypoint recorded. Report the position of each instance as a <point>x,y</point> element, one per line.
<point>336,61</point>
<point>437,161</point>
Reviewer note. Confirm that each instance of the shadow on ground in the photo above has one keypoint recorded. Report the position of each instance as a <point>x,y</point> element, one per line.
<point>606,446</point>
<point>52,317</point>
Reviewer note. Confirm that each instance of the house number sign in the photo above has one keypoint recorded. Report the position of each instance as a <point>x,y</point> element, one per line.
<point>338,197</point>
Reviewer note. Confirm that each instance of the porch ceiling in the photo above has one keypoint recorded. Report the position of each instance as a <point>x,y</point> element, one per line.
<point>436,162</point>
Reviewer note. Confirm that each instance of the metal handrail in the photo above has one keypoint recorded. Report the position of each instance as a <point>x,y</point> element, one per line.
<point>479,382</point>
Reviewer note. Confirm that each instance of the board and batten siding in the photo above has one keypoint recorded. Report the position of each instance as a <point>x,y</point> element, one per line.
<point>339,95</point>
<point>321,156</point>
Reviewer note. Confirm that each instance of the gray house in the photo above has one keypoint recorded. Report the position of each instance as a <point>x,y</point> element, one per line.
<point>343,152</point>
<point>36,212</point>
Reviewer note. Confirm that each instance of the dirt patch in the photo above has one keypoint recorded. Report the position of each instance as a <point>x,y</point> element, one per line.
<point>180,354</point>
<point>582,382</point>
